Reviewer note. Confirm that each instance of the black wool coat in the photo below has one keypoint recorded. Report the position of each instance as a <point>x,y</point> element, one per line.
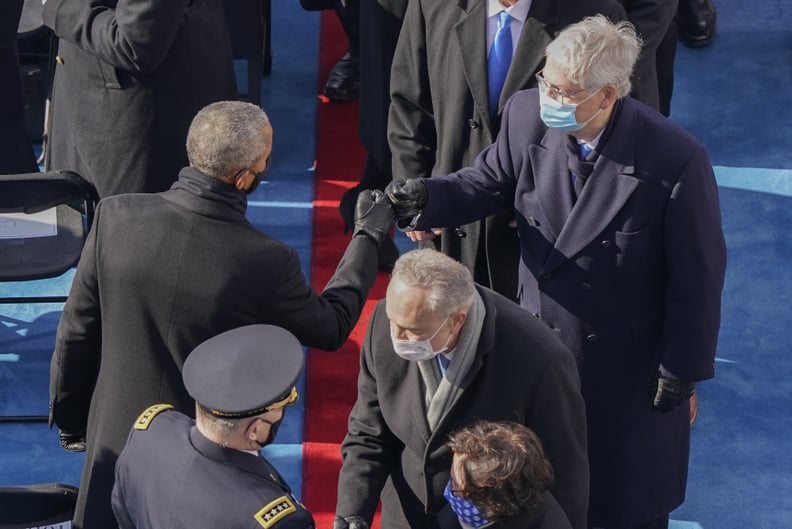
<point>159,274</point>
<point>130,76</point>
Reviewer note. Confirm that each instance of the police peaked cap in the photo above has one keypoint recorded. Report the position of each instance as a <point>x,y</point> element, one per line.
<point>245,371</point>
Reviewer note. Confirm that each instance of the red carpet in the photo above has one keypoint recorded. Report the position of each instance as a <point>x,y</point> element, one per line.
<point>331,386</point>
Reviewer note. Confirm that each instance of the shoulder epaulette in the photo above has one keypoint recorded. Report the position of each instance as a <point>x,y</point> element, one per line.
<point>275,511</point>
<point>143,422</point>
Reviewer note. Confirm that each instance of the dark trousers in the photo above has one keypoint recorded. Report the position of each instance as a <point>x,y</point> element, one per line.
<point>349,16</point>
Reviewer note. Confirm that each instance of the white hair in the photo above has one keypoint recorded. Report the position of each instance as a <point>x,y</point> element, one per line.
<point>596,52</point>
<point>449,283</point>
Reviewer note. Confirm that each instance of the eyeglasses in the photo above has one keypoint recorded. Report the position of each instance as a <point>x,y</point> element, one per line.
<point>556,93</point>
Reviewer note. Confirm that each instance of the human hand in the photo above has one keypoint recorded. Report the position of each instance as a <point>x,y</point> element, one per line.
<point>408,198</point>
<point>667,393</point>
<point>72,442</point>
<point>349,522</point>
<point>374,215</point>
<point>420,235</point>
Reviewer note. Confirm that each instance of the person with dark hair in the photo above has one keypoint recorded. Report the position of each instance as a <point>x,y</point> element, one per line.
<point>162,272</point>
<point>500,477</point>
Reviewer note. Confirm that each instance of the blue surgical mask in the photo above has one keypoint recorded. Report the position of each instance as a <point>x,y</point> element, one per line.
<point>465,510</point>
<point>561,116</point>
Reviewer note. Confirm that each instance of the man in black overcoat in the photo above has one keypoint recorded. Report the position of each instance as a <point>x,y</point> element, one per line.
<point>622,254</point>
<point>440,117</point>
<point>163,272</point>
<point>130,75</point>
<point>441,353</point>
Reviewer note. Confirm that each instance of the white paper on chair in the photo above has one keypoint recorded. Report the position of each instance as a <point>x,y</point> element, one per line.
<point>25,226</point>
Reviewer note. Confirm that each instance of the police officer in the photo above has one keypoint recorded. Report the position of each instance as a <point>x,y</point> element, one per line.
<point>208,472</point>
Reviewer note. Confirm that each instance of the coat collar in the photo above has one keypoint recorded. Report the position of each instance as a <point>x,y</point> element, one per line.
<point>242,461</point>
<point>609,187</point>
<point>207,196</point>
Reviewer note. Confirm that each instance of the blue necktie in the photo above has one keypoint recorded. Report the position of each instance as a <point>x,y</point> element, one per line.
<point>579,180</point>
<point>444,363</point>
<point>499,60</point>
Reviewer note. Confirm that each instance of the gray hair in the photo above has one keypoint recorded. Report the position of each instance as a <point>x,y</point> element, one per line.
<point>595,52</point>
<point>225,137</point>
<point>223,428</point>
<point>450,284</point>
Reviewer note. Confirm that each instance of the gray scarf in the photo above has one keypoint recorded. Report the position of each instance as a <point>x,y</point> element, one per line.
<point>442,391</point>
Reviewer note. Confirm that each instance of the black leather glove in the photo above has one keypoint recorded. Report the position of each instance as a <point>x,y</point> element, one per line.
<point>374,215</point>
<point>408,198</point>
<point>73,442</point>
<point>667,393</point>
<point>349,522</point>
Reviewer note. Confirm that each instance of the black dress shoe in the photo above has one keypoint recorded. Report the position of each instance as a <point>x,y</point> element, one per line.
<point>343,83</point>
<point>696,22</point>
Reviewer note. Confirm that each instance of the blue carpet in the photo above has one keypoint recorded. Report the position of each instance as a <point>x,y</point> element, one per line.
<point>733,95</point>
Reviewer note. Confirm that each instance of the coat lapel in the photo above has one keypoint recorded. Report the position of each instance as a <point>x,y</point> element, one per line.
<point>470,28</point>
<point>551,178</point>
<point>527,59</point>
<point>605,194</point>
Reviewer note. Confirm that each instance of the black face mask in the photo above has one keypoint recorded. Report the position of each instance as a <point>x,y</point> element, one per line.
<point>273,430</point>
<point>258,177</point>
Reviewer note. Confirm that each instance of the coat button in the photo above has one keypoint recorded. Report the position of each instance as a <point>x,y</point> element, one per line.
<point>473,123</point>
<point>585,286</point>
<point>533,222</point>
<point>592,338</point>
<point>536,314</point>
<point>59,59</point>
<point>606,243</point>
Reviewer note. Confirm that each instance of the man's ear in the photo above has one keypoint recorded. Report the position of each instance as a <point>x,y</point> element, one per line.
<point>611,95</point>
<point>240,180</point>
<point>458,319</point>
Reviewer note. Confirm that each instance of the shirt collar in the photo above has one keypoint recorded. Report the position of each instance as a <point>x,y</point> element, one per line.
<point>518,11</point>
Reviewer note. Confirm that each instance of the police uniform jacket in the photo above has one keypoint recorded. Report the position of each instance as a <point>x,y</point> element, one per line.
<point>522,372</point>
<point>130,76</point>
<point>629,276</point>
<point>171,476</point>
<point>439,116</point>
<point>160,274</point>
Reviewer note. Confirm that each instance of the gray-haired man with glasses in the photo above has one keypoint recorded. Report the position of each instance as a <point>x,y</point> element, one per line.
<point>622,254</point>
